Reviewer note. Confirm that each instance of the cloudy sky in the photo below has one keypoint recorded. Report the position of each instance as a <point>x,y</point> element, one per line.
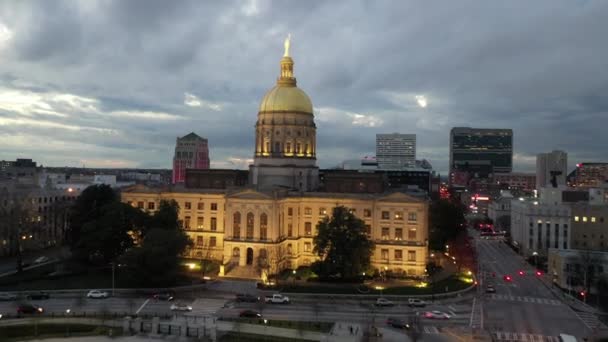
<point>113,83</point>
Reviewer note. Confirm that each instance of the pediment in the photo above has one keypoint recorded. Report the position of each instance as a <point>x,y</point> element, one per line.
<point>249,194</point>
<point>398,197</point>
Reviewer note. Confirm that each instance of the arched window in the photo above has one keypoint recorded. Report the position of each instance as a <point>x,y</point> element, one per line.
<point>263,227</point>
<point>249,232</point>
<point>236,225</point>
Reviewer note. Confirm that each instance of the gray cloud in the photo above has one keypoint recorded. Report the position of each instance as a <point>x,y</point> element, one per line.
<point>537,67</point>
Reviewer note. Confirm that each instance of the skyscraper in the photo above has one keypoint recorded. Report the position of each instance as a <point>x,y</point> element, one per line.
<point>480,151</point>
<point>395,151</point>
<point>552,166</point>
<point>191,152</point>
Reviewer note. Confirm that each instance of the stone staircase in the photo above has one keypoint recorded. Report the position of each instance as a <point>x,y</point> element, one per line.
<point>243,272</point>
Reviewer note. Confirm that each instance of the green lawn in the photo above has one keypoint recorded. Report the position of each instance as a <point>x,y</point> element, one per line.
<point>242,337</point>
<point>26,332</point>
<point>298,325</point>
<point>452,284</point>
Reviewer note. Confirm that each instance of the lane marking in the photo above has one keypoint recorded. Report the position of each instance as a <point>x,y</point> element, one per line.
<point>142,306</point>
<point>472,312</point>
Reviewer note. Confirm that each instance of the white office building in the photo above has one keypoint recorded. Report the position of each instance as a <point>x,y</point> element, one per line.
<point>550,164</point>
<point>395,151</point>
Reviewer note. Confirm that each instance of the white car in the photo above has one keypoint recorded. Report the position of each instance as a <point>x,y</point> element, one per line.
<point>384,302</point>
<point>97,294</point>
<point>41,260</point>
<point>436,315</point>
<point>181,307</point>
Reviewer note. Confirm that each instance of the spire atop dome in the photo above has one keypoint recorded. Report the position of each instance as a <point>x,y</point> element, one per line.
<point>286,78</point>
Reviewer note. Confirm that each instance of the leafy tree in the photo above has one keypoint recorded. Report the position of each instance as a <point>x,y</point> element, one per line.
<point>343,245</point>
<point>88,208</point>
<point>446,222</point>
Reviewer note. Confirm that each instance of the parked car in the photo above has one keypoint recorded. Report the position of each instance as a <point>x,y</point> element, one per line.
<point>250,314</point>
<point>181,307</point>
<point>397,323</point>
<point>247,298</point>
<point>384,302</point>
<point>98,294</point>
<point>38,295</point>
<point>29,309</point>
<point>41,260</point>
<point>436,315</point>
<point>277,299</point>
<point>490,289</point>
<point>6,296</point>
<point>416,302</point>
<point>166,296</point>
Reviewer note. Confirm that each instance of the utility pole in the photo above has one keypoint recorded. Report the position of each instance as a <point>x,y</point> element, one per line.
<point>112,278</point>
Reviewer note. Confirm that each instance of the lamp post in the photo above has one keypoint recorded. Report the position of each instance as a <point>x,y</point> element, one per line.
<point>294,277</point>
<point>112,279</point>
<point>535,254</point>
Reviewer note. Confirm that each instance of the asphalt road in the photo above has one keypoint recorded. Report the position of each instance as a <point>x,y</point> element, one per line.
<point>524,305</point>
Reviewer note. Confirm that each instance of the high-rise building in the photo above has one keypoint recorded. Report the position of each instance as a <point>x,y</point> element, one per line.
<point>191,152</point>
<point>395,151</point>
<point>480,152</point>
<point>551,169</point>
<point>590,175</point>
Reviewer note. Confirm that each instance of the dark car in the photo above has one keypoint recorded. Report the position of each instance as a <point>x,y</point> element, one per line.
<point>38,296</point>
<point>250,314</point>
<point>29,309</point>
<point>397,323</point>
<point>248,298</point>
<point>168,295</point>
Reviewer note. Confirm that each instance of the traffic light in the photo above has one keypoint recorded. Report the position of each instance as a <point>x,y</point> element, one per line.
<point>539,273</point>
<point>583,294</point>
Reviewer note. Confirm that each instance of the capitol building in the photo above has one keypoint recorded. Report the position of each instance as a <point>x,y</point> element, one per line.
<point>263,220</point>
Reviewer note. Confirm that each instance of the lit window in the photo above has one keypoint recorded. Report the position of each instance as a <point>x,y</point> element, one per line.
<point>307,247</point>
<point>575,218</point>
<point>584,218</point>
<point>398,234</point>
<point>398,215</point>
<point>412,217</point>
<point>188,205</point>
<point>385,233</point>
<point>322,212</point>
<point>592,218</point>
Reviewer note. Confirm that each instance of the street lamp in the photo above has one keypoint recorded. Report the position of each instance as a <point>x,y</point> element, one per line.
<point>535,254</point>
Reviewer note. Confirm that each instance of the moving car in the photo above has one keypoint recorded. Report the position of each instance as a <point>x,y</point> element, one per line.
<point>490,289</point>
<point>5,296</point>
<point>436,315</point>
<point>181,307</point>
<point>277,299</point>
<point>29,309</point>
<point>416,302</point>
<point>384,302</point>
<point>41,260</point>
<point>246,298</point>
<point>397,323</point>
<point>250,314</point>
<point>38,295</point>
<point>167,296</point>
<point>98,294</point>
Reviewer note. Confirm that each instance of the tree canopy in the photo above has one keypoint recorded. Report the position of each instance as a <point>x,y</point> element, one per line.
<point>447,221</point>
<point>343,245</point>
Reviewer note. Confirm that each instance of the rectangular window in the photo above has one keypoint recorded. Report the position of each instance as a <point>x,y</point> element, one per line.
<point>289,211</point>
<point>187,222</point>
<point>199,240</point>
<point>306,246</point>
<point>368,229</point>
<point>412,217</point>
<point>576,218</point>
<point>308,211</point>
<point>151,205</point>
<point>212,241</point>
<point>386,215</point>
<point>592,218</point>
<point>531,231</point>
<point>530,243</point>
<point>213,224</point>
<point>201,205</point>
<point>307,228</point>
<point>411,255</point>
<point>289,230</point>
<point>398,254</point>
<point>398,215</point>
<point>411,234</point>
<point>140,204</point>
<point>322,212</point>
<point>367,213</point>
<point>385,233</point>
<point>187,205</point>
<point>584,218</point>
<point>200,222</point>
<point>213,206</point>
<point>398,234</point>
<point>531,224</point>
<point>384,254</point>
<point>263,233</point>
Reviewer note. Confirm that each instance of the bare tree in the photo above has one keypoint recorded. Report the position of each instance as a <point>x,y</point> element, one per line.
<point>586,272</point>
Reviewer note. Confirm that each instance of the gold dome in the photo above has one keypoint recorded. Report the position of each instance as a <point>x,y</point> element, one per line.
<point>286,99</point>
<point>286,96</point>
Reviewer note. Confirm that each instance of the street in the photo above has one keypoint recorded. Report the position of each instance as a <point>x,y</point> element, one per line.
<point>524,305</point>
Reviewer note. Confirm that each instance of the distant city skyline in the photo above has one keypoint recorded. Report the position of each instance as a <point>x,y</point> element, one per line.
<point>113,83</point>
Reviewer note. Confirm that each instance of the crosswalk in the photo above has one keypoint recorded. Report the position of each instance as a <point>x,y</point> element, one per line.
<point>476,320</point>
<point>431,330</point>
<point>206,306</point>
<point>511,336</point>
<point>526,299</point>
<point>590,320</point>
